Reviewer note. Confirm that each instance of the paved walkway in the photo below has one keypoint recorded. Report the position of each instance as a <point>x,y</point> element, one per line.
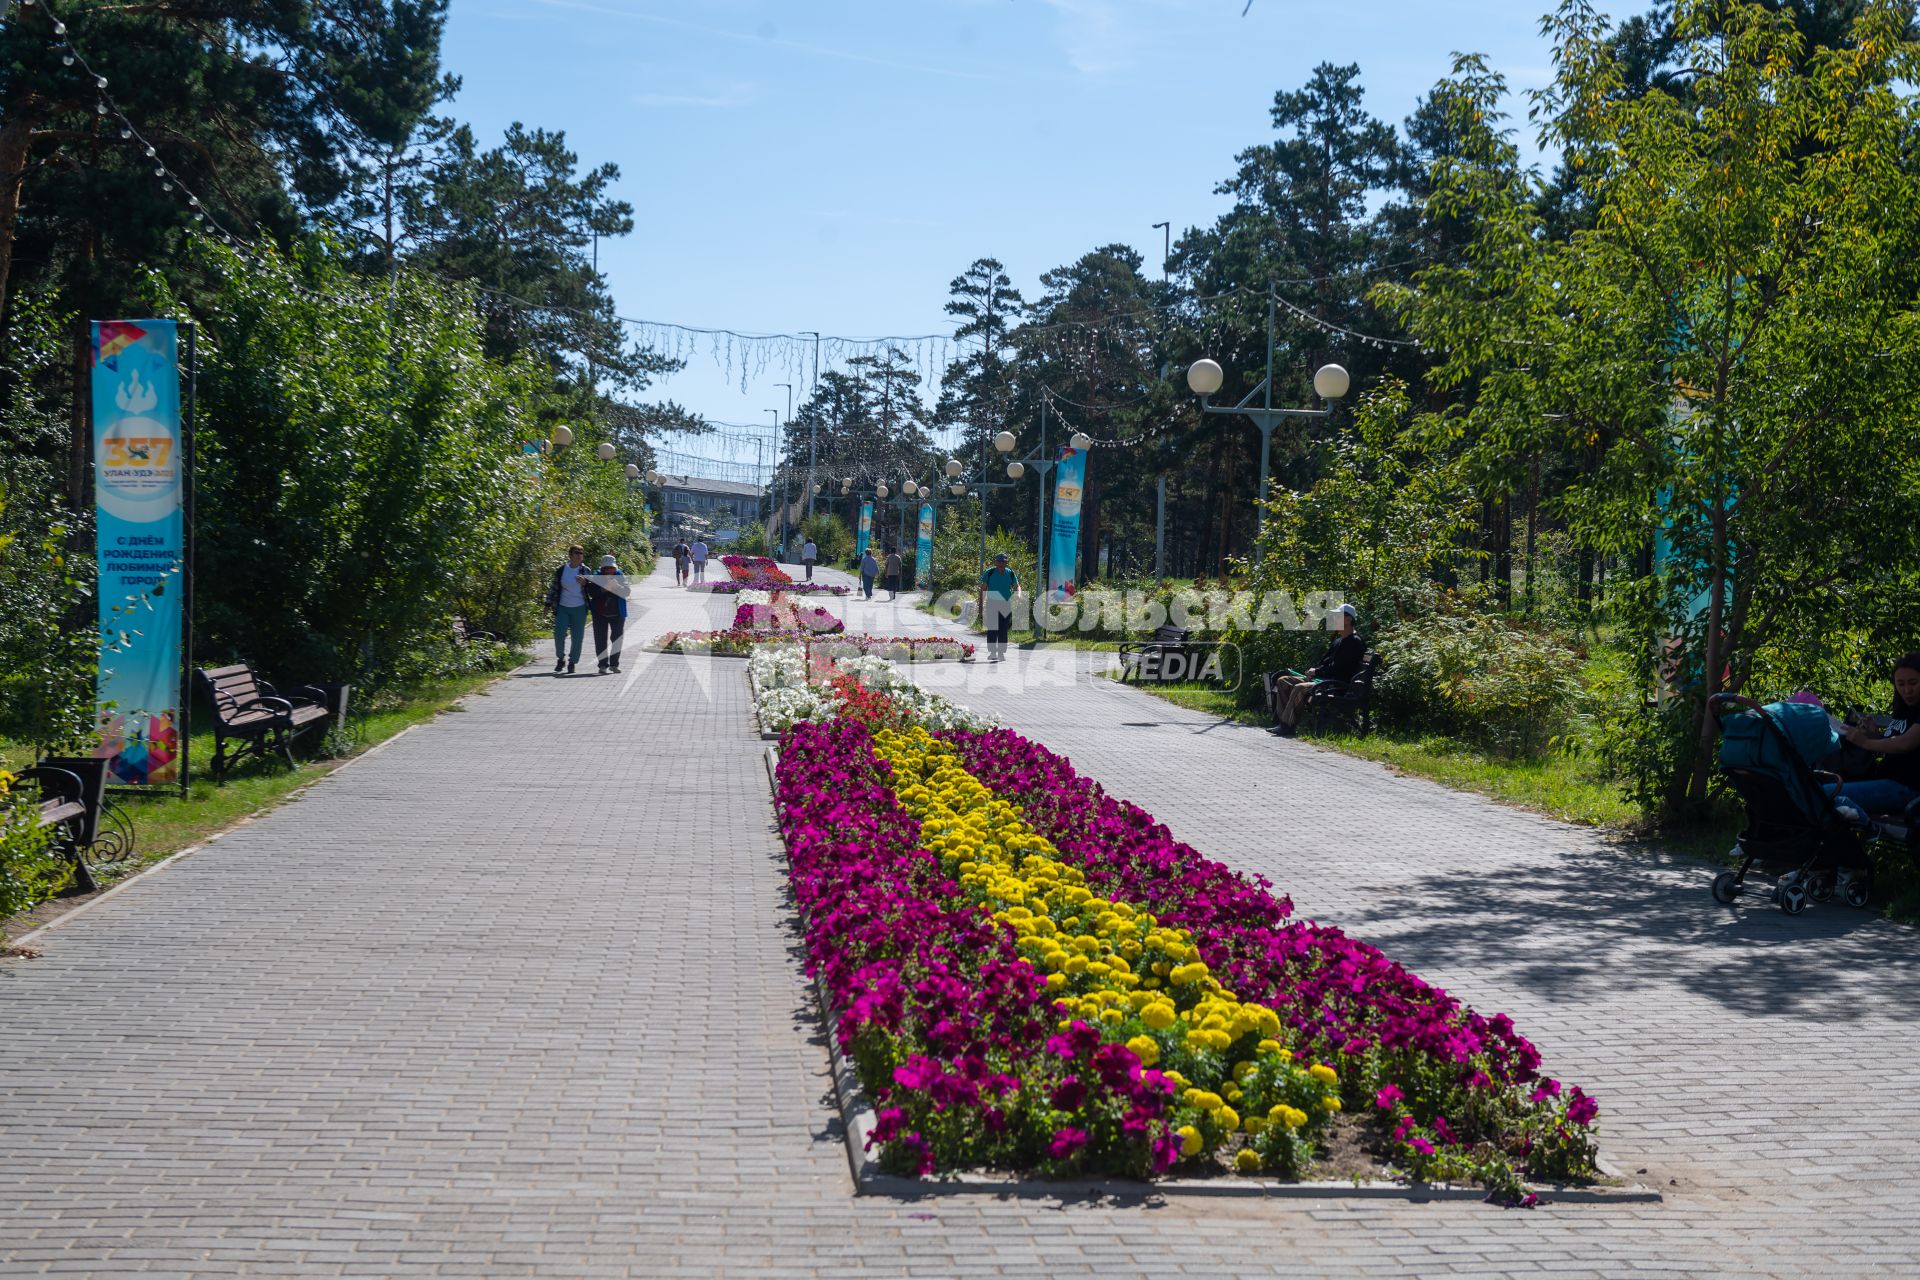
<point>519,995</point>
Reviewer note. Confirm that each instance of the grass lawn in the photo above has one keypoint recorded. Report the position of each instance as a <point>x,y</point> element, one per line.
<point>166,823</point>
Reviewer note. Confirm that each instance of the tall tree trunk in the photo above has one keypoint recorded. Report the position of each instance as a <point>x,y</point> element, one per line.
<point>1503,553</point>
<point>1090,528</point>
<point>16,135</point>
<point>1207,510</point>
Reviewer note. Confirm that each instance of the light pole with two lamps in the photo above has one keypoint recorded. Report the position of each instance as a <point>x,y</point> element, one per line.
<point>1330,382</point>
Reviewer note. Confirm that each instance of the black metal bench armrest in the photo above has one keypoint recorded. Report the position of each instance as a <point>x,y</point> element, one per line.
<point>56,782</point>
<point>312,694</point>
<point>278,706</point>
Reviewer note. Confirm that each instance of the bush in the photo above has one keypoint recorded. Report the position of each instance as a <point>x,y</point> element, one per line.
<point>31,868</point>
<point>1482,678</point>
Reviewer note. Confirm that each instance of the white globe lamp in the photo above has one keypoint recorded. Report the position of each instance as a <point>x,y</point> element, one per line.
<point>1204,377</point>
<point>1004,442</point>
<point>953,468</point>
<point>562,437</point>
<point>606,451</point>
<point>1081,441</point>
<point>1016,469</point>
<point>633,471</point>
<point>1330,382</point>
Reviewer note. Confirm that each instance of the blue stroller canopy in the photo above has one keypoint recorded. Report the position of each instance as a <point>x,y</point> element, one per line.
<point>1746,742</point>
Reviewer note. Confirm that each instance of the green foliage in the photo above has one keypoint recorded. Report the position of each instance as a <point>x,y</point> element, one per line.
<point>831,538</point>
<point>956,552</point>
<point>362,471</point>
<point>32,868</point>
<point>47,631</point>
<point>1726,352</point>
<point>752,540</point>
<point>1487,680</point>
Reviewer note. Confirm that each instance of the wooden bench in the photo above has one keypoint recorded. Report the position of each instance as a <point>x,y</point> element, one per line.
<point>1134,653</point>
<point>464,635</point>
<point>1352,697</point>
<point>251,711</point>
<point>73,793</point>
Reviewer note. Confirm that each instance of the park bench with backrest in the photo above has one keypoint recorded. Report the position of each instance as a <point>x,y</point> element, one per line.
<point>1352,698</point>
<point>1136,655</point>
<point>251,712</point>
<point>73,795</point>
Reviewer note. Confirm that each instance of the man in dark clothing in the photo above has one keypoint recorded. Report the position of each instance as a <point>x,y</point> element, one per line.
<point>567,604</point>
<point>1288,695</point>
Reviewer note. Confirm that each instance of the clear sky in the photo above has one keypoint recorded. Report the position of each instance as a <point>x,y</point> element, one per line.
<point>831,164</point>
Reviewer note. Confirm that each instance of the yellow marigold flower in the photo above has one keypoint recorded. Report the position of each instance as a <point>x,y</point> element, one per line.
<point>1145,1049</point>
<point>1323,1073</point>
<point>1190,1140</point>
<point>1229,1118</point>
<point>1175,1079</point>
<point>1255,1124</point>
<point>1331,1102</point>
<point>1247,1160</point>
<point>1112,1015</point>
<point>1158,1015</point>
<point>1233,1093</point>
<point>1099,969</point>
<point>1241,1070</point>
<point>1208,1100</point>
<point>1268,1046</point>
<point>1055,981</point>
<point>1076,964</point>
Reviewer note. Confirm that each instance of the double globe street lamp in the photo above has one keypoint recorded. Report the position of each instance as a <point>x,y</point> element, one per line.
<point>1204,378</point>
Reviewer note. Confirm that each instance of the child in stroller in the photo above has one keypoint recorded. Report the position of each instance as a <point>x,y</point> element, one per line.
<point>1796,834</point>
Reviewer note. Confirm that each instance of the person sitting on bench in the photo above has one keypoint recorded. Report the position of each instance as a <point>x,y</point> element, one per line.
<point>1341,661</point>
<point>1893,785</point>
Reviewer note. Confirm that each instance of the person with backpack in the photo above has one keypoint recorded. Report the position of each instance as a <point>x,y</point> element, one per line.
<point>869,570</point>
<point>682,558</point>
<point>607,593</point>
<point>567,604</point>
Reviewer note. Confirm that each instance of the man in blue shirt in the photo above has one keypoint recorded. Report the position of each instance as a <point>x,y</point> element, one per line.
<point>998,586</point>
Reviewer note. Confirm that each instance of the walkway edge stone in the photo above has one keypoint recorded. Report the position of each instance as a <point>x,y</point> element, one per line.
<point>857,1121</point>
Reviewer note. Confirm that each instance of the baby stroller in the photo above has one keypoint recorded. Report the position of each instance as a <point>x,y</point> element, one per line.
<point>1795,833</point>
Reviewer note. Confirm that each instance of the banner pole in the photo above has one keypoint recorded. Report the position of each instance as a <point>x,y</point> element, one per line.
<point>188,462</point>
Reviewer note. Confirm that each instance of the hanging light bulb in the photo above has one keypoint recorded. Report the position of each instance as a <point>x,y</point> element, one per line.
<point>99,82</point>
<point>125,133</point>
<point>66,59</point>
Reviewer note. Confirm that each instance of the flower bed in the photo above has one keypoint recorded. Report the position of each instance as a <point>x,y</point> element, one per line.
<point>843,645</point>
<point>735,586</point>
<point>1191,1023</point>
<point>1462,1092</point>
<point>743,568</point>
<point>794,685</point>
<point>784,615</point>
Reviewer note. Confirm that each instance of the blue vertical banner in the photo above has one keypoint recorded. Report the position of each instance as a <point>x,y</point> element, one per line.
<point>139,492</point>
<point>866,530</point>
<point>923,562</point>
<point>1063,541</point>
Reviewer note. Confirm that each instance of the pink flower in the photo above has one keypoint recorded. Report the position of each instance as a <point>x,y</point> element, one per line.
<point>1388,1098</point>
<point>1066,1142</point>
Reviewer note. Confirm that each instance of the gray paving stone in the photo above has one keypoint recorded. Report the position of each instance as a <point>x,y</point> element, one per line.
<point>519,995</point>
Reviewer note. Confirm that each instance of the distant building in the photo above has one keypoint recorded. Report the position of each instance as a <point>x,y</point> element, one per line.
<point>715,509</point>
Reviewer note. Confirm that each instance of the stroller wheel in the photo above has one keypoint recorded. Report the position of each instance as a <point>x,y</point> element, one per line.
<point>1821,886</point>
<point>1726,886</point>
<point>1793,899</point>
<point>1858,890</point>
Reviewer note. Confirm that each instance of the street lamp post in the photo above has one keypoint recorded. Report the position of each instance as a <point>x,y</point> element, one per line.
<point>1204,377</point>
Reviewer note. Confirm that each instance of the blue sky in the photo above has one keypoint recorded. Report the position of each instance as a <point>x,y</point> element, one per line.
<point>830,165</point>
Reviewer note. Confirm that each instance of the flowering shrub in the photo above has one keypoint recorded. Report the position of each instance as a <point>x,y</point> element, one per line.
<point>745,568</point>
<point>1461,1092</point>
<point>31,867</point>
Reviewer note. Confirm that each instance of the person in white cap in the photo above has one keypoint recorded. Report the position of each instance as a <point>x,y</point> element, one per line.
<point>607,593</point>
<point>1287,694</point>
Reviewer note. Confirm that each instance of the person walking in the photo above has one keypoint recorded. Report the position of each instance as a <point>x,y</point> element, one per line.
<point>869,570</point>
<point>893,573</point>
<point>998,586</point>
<point>682,559</point>
<point>699,553</point>
<point>808,554</point>
<point>607,593</point>
<point>567,603</point>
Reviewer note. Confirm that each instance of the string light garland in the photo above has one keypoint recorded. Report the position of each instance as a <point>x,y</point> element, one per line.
<point>104,105</point>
